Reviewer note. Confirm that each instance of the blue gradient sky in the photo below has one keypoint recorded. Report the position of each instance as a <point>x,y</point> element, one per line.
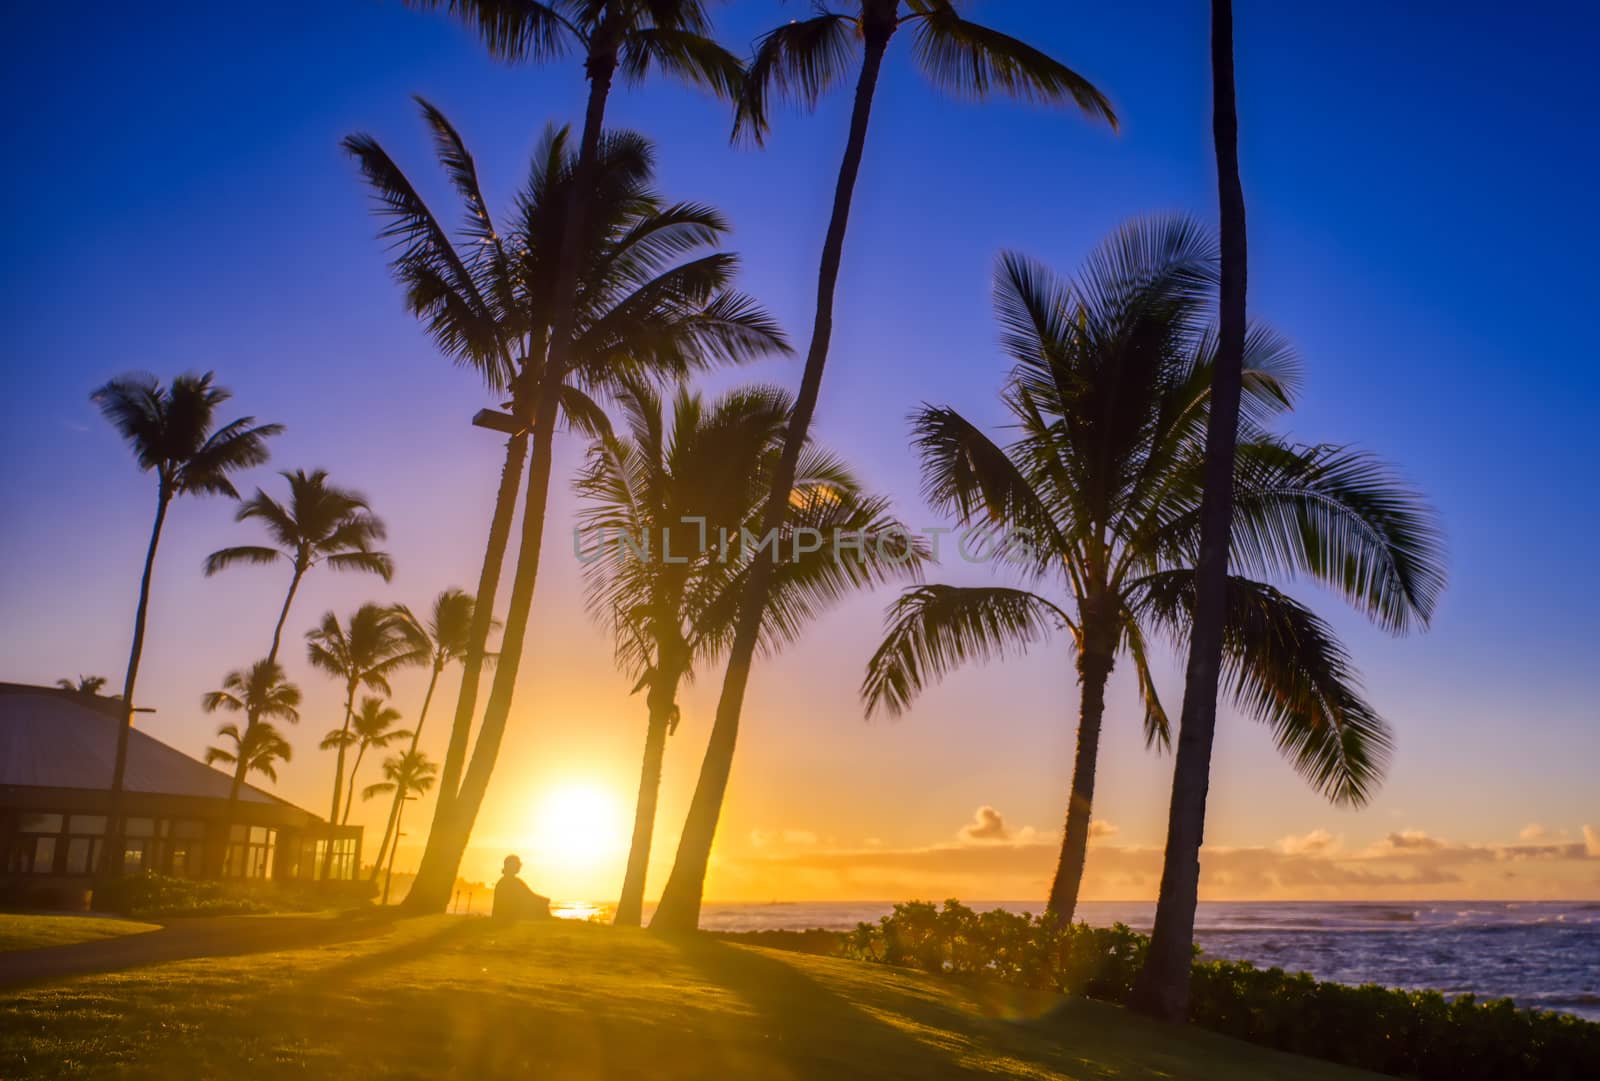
<point>1420,198</point>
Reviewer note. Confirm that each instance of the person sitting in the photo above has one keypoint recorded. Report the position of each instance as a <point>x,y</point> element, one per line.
<point>513,900</point>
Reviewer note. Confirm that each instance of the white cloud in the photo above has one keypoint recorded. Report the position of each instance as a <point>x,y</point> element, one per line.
<point>1534,831</point>
<point>1591,841</point>
<point>987,824</point>
<point>1316,843</point>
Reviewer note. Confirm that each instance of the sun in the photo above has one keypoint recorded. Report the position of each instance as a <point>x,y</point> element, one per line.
<point>578,824</point>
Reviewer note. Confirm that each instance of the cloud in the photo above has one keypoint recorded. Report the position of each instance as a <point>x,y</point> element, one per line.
<point>987,824</point>
<point>1100,829</point>
<point>1409,841</point>
<point>799,837</point>
<point>1317,842</point>
<point>1591,842</point>
<point>1534,831</point>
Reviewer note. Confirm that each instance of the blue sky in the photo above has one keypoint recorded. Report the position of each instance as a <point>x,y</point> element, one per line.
<point>1419,182</point>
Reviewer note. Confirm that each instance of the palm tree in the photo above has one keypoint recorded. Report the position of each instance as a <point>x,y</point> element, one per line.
<point>802,60</point>
<point>170,429</point>
<point>686,473</point>
<point>260,692</point>
<point>1110,395</point>
<point>446,637</point>
<point>403,773</point>
<point>1162,986</point>
<point>651,301</point>
<point>320,523</point>
<point>83,684</point>
<point>260,749</point>
<point>373,725</point>
<point>373,647</point>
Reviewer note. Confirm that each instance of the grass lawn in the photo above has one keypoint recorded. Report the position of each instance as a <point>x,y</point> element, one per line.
<point>456,997</point>
<point>26,932</point>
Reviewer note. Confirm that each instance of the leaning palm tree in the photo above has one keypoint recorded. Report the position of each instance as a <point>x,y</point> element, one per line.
<point>403,774</point>
<point>652,300</point>
<point>1105,481</point>
<point>1162,986</point>
<point>83,684</point>
<point>367,652</point>
<point>170,430</point>
<point>686,475</point>
<point>445,638</point>
<point>320,523</point>
<point>802,60</point>
<point>373,725</point>
<point>260,749</point>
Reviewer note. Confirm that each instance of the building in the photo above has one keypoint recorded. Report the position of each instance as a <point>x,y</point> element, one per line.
<point>57,749</point>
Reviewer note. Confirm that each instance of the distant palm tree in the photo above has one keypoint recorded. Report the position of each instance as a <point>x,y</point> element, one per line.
<point>403,773</point>
<point>170,430</point>
<point>260,749</point>
<point>1111,396</point>
<point>685,474</point>
<point>320,523</point>
<point>365,653</point>
<point>83,684</point>
<point>372,726</point>
<point>262,693</point>
<point>802,60</point>
<point>487,299</point>
<point>446,637</point>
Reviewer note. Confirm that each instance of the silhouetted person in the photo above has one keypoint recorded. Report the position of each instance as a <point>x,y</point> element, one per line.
<point>513,900</point>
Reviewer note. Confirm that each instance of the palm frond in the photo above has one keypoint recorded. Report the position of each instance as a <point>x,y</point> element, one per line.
<point>798,61</point>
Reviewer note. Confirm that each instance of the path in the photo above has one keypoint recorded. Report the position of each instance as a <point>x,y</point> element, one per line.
<point>181,940</point>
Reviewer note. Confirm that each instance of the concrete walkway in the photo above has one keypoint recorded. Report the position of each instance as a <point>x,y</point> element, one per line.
<point>181,940</point>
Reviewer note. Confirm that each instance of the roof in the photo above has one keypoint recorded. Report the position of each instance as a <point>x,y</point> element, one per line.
<point>53,738</point>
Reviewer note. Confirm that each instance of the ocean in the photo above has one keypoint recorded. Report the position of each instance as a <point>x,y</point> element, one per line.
<point>1542,954</point>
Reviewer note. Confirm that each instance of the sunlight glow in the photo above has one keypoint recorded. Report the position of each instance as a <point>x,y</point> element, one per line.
<point>578,824</point>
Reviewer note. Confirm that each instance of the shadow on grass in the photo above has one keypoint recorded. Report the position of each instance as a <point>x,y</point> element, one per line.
<point>812,1026</point>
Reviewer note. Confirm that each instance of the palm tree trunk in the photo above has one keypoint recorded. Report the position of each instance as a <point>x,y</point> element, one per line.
<point>447,841</point>
<point>400,810</point>
<point>388,831</point>
<point>283,613</point>
<point>1095,661</point>
<point>338,778</point>
<point>111,858</point>
<point>680,901</point>
<point>1162,988</point>
<point>494,557</point>
<point>350,792</point>
<point>630,909</point>
<point>399,790</point>
<point>457,808</point>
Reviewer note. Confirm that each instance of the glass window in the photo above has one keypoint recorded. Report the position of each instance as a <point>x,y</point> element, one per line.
<point>44,855</point>
<point>81,853</point>
<point>132,856</point>
<point>94,824</point>
<point>139,827</point>
<point>236,833</point>
<point>252,858</point>
<point>40,823</point>
<point>188,859</point>
<point>188,828</point>
<point>258,835</point>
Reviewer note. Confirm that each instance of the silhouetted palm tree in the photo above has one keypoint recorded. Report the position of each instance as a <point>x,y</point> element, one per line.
<point>260,749</point>
<point>1111,396</point>
<point>319,524</point>
<point>803,59</point>
<point>404,774</point>
<point>83,684</point>
<point>373,647</point>
<point>373,725</point>
<point>445,638</point>
<point>488,301</point>
<point>170,430</point>
<point>686,475</point>
<point>262,693</point>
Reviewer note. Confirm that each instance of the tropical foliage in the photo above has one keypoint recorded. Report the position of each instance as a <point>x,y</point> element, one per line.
<point>83,684</point>
<point>1104,479</point>
<point>405,773</point>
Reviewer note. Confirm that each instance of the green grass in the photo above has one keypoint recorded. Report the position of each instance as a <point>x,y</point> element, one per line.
<point>26,932</point>
<point>457,997</point>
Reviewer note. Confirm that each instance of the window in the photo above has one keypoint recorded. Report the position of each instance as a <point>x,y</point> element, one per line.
<point>344,859</point>
<point>39,823</point>
<point>133,854</point>
<point>90,824</point>
<point>250,852</point>
<point>139,827</point>
<point>44,855</point>
<point>82,854</point>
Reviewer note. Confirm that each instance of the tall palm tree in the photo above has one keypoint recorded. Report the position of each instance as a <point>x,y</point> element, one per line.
<point>445,637</point>
<point>652,300</point>
<point>803,59</point>
<point>260,748</point>
<point>262,693</point>
<point>319,524</point>
<point>1162,986</point>
<point>372,726</point>
<point>365,653</point>
<point>403,774</point>
<point>83,684</point>
<point>689,471</point>
<point>171,432</point>
<point>1110,395</point>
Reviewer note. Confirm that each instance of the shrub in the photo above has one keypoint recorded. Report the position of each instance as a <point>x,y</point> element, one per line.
<point>148,894</point>
<point>1417,1034</point>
